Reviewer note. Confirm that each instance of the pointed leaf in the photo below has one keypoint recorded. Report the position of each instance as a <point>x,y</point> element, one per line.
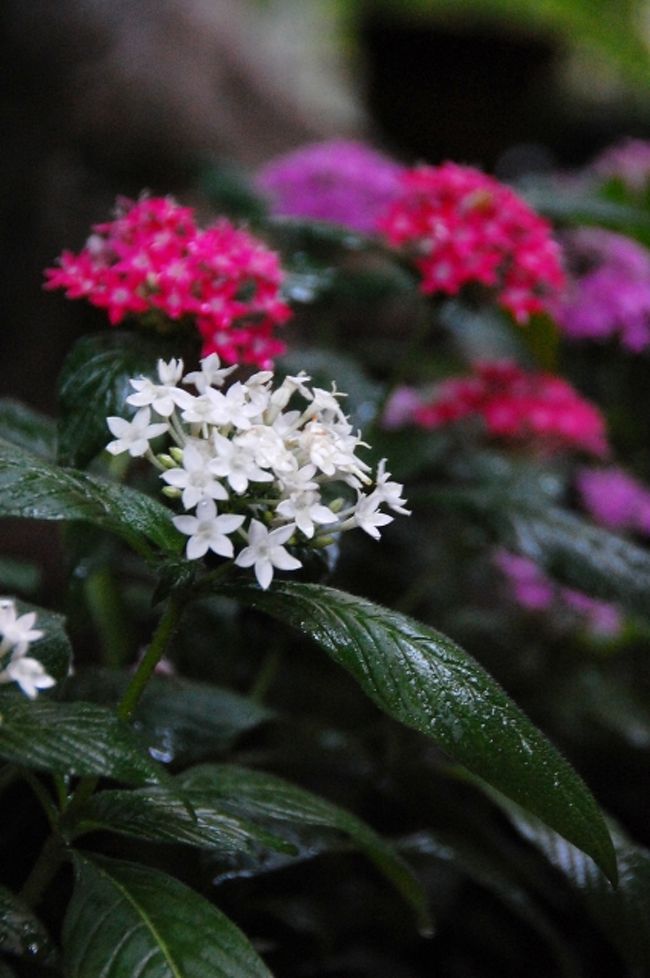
<point>94,384</point>
<point>74,738</point>
<point>127,920</point>
<point>21,933</point>
<point>32,488</point>
<point>27,428</point>
<point>159,815</point>
<point>180,720</point>
<point>258,795</point>
<point>423,679</point>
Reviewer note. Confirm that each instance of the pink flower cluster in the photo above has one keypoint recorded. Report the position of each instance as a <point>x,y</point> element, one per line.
<point>514,405</point>
<point>533,590</point>
<point>614,499</point>
<point>464,226</point>
<point>609,294</point>
<point>339,181</point>
<point>627,161</point>
<point>153,261</point>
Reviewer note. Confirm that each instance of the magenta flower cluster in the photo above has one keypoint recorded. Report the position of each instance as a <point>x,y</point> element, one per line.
<point>609,294</point>
<point>339,181</point>
<point>461,226</point>
<point>534,590</point>
<point>614,499</point>
<point>153,261</point>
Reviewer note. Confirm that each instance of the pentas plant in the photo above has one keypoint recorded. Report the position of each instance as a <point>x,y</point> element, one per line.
<point>17,633</point>
<point>460,226</point>
<point>153,264</point>
<point>515,406</point>
<point>255,467</point>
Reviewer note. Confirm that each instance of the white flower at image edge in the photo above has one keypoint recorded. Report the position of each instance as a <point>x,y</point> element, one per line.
<point>134,436</point>
<point>207,531</point>
<point>29,674</point>
<point>265,551</point>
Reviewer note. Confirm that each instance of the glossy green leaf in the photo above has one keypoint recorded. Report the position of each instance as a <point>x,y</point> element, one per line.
<point>622,913</point>
<point>128,920</point>
<point>180,720</point>
<point>27,428</point>
<point>423,679</point>
<point>21,933</point>
<point>158,815</point>
<point>258,795</point>
<point>94,384</point>
<point>35,489</point>
<point>53,650</point>
<point>73,738</point>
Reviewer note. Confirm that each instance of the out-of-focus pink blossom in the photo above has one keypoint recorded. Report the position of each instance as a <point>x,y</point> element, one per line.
<point>339,181</point>
<point>627,161</point>
<point>609,290</point>
<point>615,499</point>
<point>462,226</point>
<point>533,590</point>
<point>154,261</point>
<point>515,406</point>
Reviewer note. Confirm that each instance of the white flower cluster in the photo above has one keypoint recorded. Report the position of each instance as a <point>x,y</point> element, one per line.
<point>251,464</point>
<point>16,666</point>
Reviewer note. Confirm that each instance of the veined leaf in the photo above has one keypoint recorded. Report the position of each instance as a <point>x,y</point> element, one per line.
<point>178,719</point>
<point>159,815</point>
<point>94,384</point>
<point>258,795</point>
<point>27,428</point>
<point>128,920</point>
<point>74,738</point>
<point>35,489</point>
<point>21,933</point>
<point>423,679</point>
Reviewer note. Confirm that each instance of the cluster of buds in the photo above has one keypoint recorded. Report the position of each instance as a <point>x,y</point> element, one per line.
<point>17,632</point>
<point>514,405</point>
<point>261,474</point>
<point>462,226</point>
<point>153,263</point>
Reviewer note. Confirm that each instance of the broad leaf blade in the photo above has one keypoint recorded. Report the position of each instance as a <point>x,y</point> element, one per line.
<point>74,738</point>
<point>21,933</point>
<point>27,428</point>
<point>94,384</point>
<point>423,679</point>
<point>34,489</point>
<point>191,817</point>
<point>125,919</point>
<point>258,795</point>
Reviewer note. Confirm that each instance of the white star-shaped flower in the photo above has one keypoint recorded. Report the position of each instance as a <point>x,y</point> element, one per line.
<point>207,531</point>
<point>195,478</point>
<point>368,517</point>
<point>211,374</point>
<point>305,509</point>
<point>134,436</point>
<point>389,493</point>
<point>163,397</point>
<point>235,463</point>
<point>16,631</point>
<point>265,551</point>
<point>29,674</point>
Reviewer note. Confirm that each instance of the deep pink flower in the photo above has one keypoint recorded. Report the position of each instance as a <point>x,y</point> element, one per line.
<point>462,226</point>
<point>515,405</point>
<point>609,289</point>
<point>339,181</point>
<point>154,259</point>
<point>615,499</point>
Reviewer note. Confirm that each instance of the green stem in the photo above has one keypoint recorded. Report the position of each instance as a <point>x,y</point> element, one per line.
<point>104,602</point>
<point>267,673</point>
<point>151,658</point>
<point>44,870</point>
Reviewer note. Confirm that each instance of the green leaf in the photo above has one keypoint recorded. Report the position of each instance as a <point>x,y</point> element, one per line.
<point>127,920</point>
<point>94,384</point>
<point>74,738</point>
<point>190,817</point>
<point>621,913</point>
<point>21,933</point>
<point>180,720</point>
<point>53,650</point>
<point>34,489</point>
<point>27,428</point>
<point>258,795</point>
<point>423,679</point>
